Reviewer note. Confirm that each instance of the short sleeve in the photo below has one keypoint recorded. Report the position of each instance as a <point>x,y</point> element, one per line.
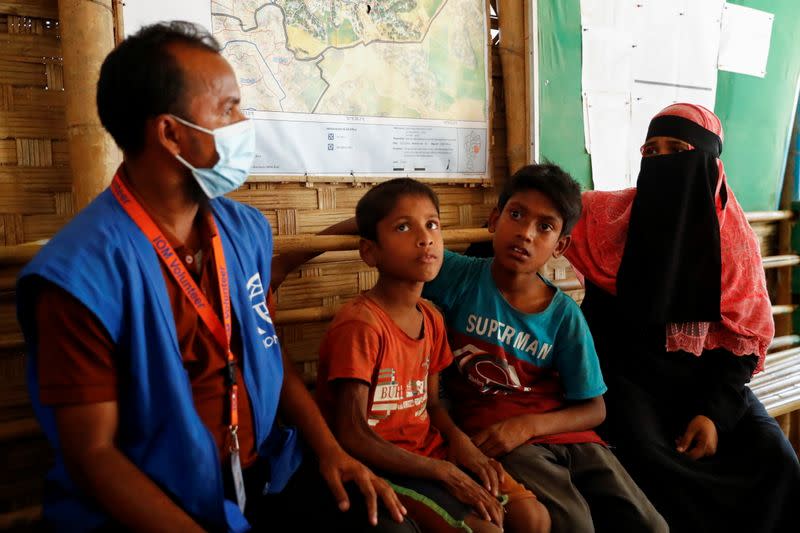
<point>353,351</point>
<point>441,354</point>
<point>75,362</point>
<point>576,359</point>
<point>448,286</point>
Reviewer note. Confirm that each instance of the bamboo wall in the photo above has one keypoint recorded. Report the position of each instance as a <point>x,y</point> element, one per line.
<point>35,182</point>
<point>35,201</point>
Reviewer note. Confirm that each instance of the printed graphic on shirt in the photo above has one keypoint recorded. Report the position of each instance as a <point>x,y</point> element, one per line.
<point>258,302</point>
<point>391,396</point>
<point>488,369</point>
<point>492,375</point>
<point>520,341</point>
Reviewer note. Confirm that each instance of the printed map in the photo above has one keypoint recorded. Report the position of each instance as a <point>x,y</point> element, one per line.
<point>410,59</point>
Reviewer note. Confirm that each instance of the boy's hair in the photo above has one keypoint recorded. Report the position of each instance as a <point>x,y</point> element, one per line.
<point>381,199</point>
<point>141,79</point>
<point>551,181</point>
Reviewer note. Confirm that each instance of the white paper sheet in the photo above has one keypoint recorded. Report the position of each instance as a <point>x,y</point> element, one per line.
<point>745,40</point>
<point>136,13</point>
<point>608,115</point>
<point>607,13</point>
<point>677,44</point>
<point>606,60</point>
<point>672,58</point>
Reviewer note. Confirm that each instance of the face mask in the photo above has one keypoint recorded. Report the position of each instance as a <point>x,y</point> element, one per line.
<point>236,148</point>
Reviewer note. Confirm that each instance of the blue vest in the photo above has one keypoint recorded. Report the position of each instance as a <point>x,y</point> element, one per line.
<point>104,260</point>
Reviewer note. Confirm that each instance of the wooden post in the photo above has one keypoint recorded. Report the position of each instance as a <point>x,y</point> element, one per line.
<point>87,36</point>
<point>511,19</point>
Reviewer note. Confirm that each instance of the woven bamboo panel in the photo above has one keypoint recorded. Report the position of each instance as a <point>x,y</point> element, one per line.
<point>35,201</point>
<point>35,182</point>
<point>29,8</point>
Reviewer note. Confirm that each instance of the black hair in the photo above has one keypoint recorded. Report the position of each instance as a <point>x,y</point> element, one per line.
<point>381,199</point>
<point>551,181</point>
<point>141,79</point>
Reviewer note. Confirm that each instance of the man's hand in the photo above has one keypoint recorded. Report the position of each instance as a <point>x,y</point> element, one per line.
<point>505,436</point>
<point>337,468</point>
<point>700,438</point>
<point>466,490</point>
<point>465,454</point>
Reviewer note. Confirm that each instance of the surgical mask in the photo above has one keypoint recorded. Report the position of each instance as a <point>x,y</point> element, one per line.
<point>236,148</point>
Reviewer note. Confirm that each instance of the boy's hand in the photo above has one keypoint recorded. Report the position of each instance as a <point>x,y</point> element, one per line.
<point>338,468</point>
<point>465,454</point>
<point>700,439</point>
<point>466,490</point>
<point>503,437</point>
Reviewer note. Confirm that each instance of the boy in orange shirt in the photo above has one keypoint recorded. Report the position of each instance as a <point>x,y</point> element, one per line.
<point>379,384</point>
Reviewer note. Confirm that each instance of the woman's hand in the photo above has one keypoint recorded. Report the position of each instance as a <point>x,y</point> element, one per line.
<point>465,454</point>
<point>700,438</point>
<point>466,490</point>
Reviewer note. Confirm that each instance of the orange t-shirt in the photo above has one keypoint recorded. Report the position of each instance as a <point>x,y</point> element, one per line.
<point>364,343</point>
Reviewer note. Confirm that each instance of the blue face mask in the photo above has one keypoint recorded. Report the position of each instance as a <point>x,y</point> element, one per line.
<point>236,148</point>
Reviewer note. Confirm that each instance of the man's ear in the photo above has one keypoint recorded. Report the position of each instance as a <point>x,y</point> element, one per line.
<point>368,251</point>
<point>167,132</point>
<point>563,243</point>
<point>493,217</point>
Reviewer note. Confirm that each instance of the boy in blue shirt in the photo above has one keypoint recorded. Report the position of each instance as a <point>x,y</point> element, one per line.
<point>526,382</point>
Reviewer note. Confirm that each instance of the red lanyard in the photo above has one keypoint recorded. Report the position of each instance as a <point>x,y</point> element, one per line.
<point>220,330</point>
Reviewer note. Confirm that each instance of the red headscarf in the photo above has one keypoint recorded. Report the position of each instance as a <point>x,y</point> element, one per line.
<point>746,327</point>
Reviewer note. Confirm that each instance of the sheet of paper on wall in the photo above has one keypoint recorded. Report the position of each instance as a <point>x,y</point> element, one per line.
<point>676,44</point>
<point>606,51</point>
<point>606,60</point>
<point>137,13</point>
<point>672,58</point>
<point>607,14</point>
<point>608,117</point>
<point>745,40</point>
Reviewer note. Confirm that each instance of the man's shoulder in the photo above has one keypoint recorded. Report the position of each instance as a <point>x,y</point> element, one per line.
<point>238,211</point>
<point>92,235</point>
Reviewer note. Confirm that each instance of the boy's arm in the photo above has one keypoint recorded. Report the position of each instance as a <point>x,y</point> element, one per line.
<point>353,431</point>
<point>284,264</point>
<point>507,435</point>
<point>357,437</point>
<point>578,367</point>
<point>462,451</point>
<point>335,465</point>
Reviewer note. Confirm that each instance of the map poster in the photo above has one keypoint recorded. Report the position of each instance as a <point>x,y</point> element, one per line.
<point>361,88</point>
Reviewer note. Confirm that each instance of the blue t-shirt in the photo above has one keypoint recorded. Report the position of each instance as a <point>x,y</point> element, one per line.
<point>509,362</point>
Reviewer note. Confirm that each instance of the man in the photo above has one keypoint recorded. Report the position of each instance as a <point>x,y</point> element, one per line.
<point>154,366</point>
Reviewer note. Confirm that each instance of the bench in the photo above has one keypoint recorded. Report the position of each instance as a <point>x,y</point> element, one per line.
<point>28,456</point>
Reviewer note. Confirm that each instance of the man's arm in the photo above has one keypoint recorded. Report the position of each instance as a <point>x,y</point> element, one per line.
<point>336,466</point>
<point>284,264</point>
<point>357,437</point>
<point>86,434</point>
<point>78,379</point>
<point>507,435</point>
